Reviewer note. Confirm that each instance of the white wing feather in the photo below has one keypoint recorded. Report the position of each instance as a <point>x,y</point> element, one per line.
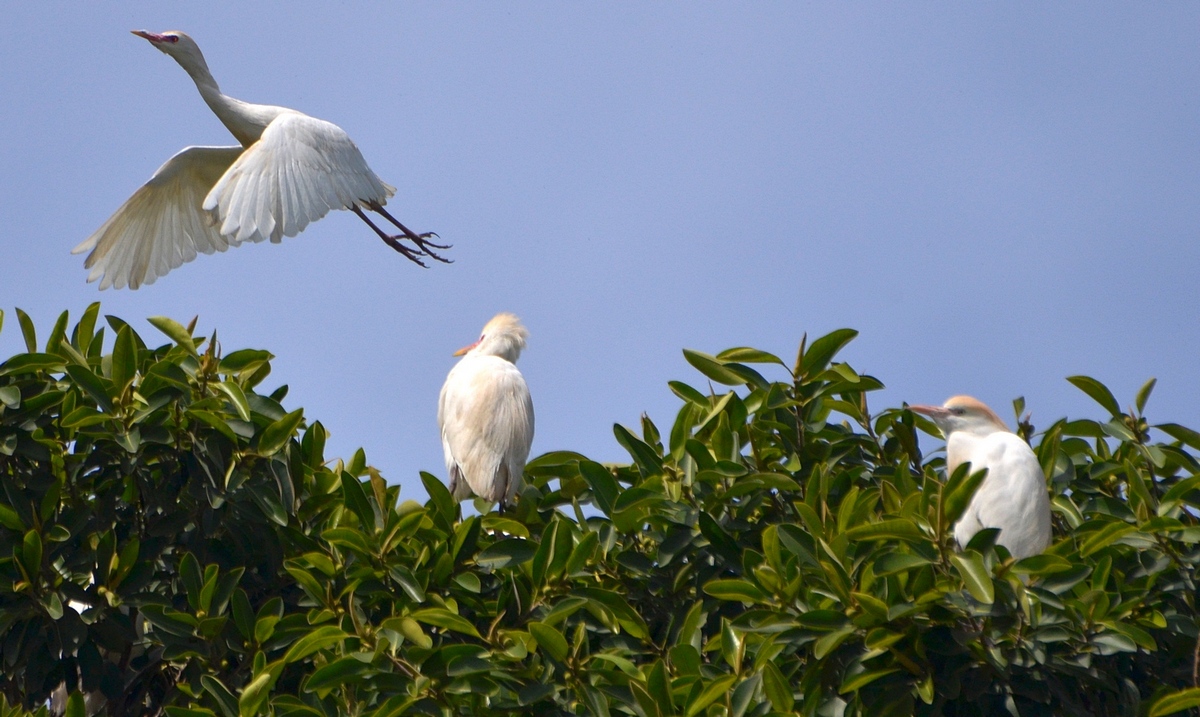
<point>161,226</point>
<point>299,170</point>
<point>485,414</point>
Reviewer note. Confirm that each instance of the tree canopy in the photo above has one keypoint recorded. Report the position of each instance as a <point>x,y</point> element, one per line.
<point>173,541</point>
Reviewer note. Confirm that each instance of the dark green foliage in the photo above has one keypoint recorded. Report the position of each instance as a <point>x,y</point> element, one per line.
<point>177,541</point>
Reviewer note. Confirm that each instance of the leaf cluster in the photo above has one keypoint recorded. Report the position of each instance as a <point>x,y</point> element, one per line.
<point>174,541</point>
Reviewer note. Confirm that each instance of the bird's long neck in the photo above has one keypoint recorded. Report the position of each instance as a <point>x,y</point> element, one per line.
<point>244,121</point>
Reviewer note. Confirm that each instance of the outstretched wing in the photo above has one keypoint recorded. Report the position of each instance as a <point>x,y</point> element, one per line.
<point>298,171</point>
<point>161,226</point>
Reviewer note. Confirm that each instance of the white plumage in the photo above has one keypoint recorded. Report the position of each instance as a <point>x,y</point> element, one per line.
<point>485,414</point>
<point>290,170</point>
<point>1013,496</point>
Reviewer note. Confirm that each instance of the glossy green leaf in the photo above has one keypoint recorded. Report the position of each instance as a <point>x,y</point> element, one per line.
<point>1098,393</point>
<point>550,640</point>
<point>440,617</point>
<point>975,576</point>
<point>1175,702</point>
<point>174,331</point>
<point>821,351</point>
<point>276,435</point>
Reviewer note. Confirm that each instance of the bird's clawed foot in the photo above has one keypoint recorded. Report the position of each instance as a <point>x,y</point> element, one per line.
<point>424,247</point>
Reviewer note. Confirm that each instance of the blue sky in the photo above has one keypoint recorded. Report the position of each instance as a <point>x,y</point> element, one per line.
<point>996,195</point>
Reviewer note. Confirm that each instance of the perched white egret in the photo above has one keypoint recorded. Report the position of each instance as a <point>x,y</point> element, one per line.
<point>1013,496</point>
<point>485,414</point>
<point>289,170</point>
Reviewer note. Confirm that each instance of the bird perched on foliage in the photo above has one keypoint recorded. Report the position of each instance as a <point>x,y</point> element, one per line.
<point>1013,495</point>
<point>289,170</point>
<point>485,414</point>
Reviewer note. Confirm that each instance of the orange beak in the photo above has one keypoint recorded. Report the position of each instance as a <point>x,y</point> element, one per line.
<point>465,349</point>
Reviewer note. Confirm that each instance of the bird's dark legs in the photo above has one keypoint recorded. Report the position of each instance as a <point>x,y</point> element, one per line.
<point>421,240</point>
<point>393,242</point>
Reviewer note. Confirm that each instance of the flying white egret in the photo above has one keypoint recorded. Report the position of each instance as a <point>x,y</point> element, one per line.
<point>289,170</point>
<point>1013,495</point>
<point>485,414</point>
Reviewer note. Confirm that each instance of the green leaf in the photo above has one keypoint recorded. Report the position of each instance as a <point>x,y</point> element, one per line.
<point>1104,537</point>
<point>735,590</point>
<point>277,435</point>
<point>1143,394</point>
<point>31,553</point>
<point>255,693</point>
<point>243,360</point>
<point>892,563</point>
<point>82,417</point>
<point>31,363</point>
<point>503,553</point>
<point>27,331</point>
<point>1098,393</point>
<point>236,396</point>
<point>960,488</point>
<point>712,368</point>
<point>348,538</point>
<point>1180,433</point>
<point>174,331</point>
<point>1175,702</point>
<point>10,519</point>
<point>646,458</point>
<point>85,329</point>
<point>550,640</point>
<point>124,359</point>
<point>336,673</point>
<point>626,616</point>
<point>822,350</point>
<point>745,354</point>
<point>779,692</point>
<point>710,694</point>
<point>356,501</point>
<point>443,504</point>
<point>975,576</point>
<point>894,528</point>
<point>604,486</point>
<point>830,642</point>
<point>75,706</point>
<point>92,384</point>
<point>224,698</point>
<point>10,396</point>
<point>853,683</point>
<point>722,542</point>
<point>319,639</point>
<point>443,618</point>
<point>1044,564</point>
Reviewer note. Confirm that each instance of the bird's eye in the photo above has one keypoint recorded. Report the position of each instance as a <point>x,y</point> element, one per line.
<point>957,411</point>
<point>172,38</point>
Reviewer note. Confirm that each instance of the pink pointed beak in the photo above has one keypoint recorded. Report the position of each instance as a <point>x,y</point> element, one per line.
<point>465,349</point>
<point>934,412</point>
<point>151,36</point>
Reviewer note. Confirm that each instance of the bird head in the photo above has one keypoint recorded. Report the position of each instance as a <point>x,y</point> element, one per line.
<point>178,45</point>
<point>503,336</point>
<point>963,413</point>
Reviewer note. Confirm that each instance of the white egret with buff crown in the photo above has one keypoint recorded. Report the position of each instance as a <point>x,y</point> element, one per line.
<point>1013,495</point>
<point>485,414</point>
<point>289,170</point>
